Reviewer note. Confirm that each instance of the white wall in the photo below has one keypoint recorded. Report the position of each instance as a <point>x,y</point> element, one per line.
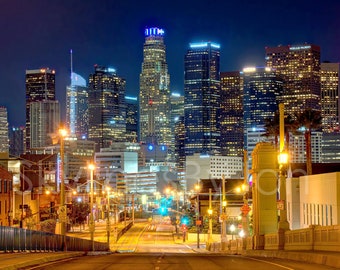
<point>319,199</point>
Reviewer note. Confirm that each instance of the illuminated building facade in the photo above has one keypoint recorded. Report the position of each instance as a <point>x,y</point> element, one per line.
<point>16,141</point>
<point>40,86</point>
<point>44,123</point>
<point>299,67</point>
<point>154,95</point>
<point>262,91</point>
<point>4,139</point>
<point>177,112</point>
<point>77,117</point>
<point>330,93</point>
<point>231,114</point>
<point>131,119</point>
<point>107,108</point>
<point>202,98</point>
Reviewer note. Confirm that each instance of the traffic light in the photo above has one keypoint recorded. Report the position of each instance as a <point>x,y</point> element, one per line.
<point>164,211</point>
<point>185,220</point>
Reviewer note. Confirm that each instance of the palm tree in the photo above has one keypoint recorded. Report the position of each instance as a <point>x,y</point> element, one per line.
<point>310,120</point>
<point>272,128</point>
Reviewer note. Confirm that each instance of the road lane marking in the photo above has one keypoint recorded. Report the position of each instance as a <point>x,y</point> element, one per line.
<point>276,264</point>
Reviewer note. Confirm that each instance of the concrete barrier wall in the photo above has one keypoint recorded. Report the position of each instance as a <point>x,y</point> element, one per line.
<point>301,239</point>
<point>319,238</point>
<point>327,238</point>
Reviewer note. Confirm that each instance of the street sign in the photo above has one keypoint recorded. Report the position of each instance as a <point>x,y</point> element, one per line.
<point>245,209</point>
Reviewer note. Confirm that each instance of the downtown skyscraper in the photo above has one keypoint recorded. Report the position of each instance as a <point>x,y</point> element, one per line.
<point>299,67</point>
<point>77,116</point>
<point>154,95</point>
<point>202,98</point>
<point>107,108</point>
<point>40,86</point>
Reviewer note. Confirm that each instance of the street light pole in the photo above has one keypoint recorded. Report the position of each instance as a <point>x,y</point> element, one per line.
<point>108,225</point>
<point>282,160</point>
<point>210,212</point>
<point>223,215</point>
<point>62,133</point>
<point>198,220</point>
<point>91,224</point>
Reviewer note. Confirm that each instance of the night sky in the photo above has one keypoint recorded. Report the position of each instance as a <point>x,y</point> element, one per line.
<point>40,33</point>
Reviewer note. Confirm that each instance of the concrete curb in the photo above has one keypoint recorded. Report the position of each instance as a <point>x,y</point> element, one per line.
<point>332,260</point>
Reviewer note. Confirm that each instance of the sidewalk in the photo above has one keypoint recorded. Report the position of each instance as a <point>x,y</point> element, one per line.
<point>12,261</point>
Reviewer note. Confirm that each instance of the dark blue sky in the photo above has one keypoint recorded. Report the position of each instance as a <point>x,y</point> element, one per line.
<point>40,33</point>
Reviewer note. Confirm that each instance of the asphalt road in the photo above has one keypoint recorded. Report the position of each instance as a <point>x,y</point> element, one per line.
<point>152,246</point>
<point>140,261</point>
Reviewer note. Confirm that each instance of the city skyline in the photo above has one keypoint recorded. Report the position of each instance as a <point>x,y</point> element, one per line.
<point>41,34</point>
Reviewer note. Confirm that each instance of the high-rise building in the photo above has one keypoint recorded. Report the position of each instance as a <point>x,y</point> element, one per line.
<point>16,141</point>
<point>202,98</point>
<point>262,91</point>
<point>330,97</point>
<point>131,119</point>
<point>299,67</point>
<point>77,117</point>
<point>40,86</point>
<point>4,140</point>
<point>154,95</point>
<point>177,111</point>
<point>231,120</point>
<point>107,108</point>
<point>44,123</point>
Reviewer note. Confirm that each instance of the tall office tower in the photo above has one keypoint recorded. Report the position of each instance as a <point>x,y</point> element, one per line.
<point>154,95</point>
<point>299,67</point>
<point>262,91</point>
<point>330,93</point>
<point>77,117</point>
<point>16,141</point>
<point>177,111</point>
<point>231,120</point>
<point>180,149</point>
<point>44,122</point>
<point>107,108</point>
<point>131,119</point>
<point>40,86</point>
<point>202,98</point>
<point>4,140</point>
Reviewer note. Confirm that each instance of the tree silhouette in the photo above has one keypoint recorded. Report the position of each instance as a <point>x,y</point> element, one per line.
<point>309,120</point>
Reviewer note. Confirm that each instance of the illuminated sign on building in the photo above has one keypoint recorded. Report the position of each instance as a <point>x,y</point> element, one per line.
<point>154,31</point>
<point>204,44</point>
<point>296,48</point>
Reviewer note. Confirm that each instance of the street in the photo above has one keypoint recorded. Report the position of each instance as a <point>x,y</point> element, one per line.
<point>152,246</point>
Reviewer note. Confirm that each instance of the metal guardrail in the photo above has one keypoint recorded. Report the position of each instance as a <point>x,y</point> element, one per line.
<point>17,239</point>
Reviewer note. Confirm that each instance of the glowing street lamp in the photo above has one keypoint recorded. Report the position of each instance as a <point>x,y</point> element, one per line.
<point>91,167</point>
<point>198,220</point>
<point>210,212</point>
<point>63,213</point>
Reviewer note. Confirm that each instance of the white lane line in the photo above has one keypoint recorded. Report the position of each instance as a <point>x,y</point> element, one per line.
<point>276,264</point>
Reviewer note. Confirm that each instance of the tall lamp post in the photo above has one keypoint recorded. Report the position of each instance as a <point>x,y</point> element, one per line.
<point>108,224</point>
<point>63,214</point>
<point>210,212</point>
<point>198,220</point>
<point>282,160</point>
<point>91,223</point>
<point>223,215</point>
